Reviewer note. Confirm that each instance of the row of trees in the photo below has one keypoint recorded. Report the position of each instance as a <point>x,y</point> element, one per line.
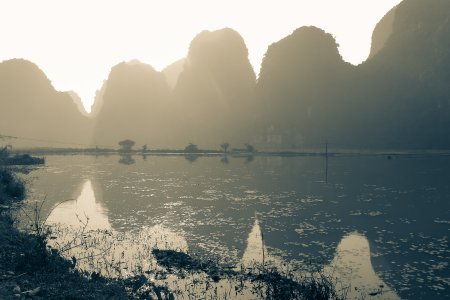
<point>127,146</point>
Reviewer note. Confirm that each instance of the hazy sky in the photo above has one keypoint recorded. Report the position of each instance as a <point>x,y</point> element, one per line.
<point>76,42</point>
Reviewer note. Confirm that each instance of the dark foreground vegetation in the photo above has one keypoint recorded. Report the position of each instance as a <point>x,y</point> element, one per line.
<point>7,159</point>
<point>267,282</point>
<point>30,268</point>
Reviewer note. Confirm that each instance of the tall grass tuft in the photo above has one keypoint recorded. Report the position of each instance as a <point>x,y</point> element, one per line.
<point>10,186</point>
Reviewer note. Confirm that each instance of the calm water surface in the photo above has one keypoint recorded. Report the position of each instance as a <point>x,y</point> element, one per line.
<point>373,221</point>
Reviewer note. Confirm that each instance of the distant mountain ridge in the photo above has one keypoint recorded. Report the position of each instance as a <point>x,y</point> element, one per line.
<point>173,71</point>
<point>305,95</point>
<point>214,91</point>
<point>412,79</point>
<point>399,98</point>
<point>32,108</point>
<point>77,100</point>
<point>133,105</point>
<point>299,89</point>
<point>382,32</point>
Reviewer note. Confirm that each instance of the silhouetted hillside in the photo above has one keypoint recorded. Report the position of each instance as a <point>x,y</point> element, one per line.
<point>31,107</point>
<point>98,101</point>
<point>398,98</point>
<point>406,85</point>
<point>382,32</point>
<point>215,89</point>
<point>77,100</point>
<point>305,95</point>
<point>300,85</point>
<point>134,106</point>
<point>173,71</point>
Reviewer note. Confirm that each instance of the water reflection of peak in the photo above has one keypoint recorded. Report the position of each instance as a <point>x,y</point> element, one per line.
<point>351,266</point>
<point>85,209</point>
<point>256,252</point>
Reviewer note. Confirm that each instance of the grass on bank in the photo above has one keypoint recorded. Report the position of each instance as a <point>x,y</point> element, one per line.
<point>29,269</point>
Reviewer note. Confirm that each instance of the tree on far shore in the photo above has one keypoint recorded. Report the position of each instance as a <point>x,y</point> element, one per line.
<point>191,148</point>
<point>250,148</point>
<point>225,147</point>
<point>126,145</point>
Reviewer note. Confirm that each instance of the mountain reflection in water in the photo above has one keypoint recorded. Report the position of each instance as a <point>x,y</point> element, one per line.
<point>353,268</point>
<point>256,252</point>
<point>85,222</point>
<point>83,210</point>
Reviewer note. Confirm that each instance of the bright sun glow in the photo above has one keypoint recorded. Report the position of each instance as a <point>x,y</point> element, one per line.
<point>76,42</point>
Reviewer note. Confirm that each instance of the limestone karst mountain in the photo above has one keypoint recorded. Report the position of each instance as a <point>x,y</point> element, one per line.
<point>77,100</point>
<point>406,85</point>
<point>133,106</point>
<point>399,98</point>
<point>382,32</point>
<point>173,71</point>
<point>214,91</point>
<point>32,108</point>
<point>98,101</point>
<point>299,89</point>
<point>305,94</point>
<point>209,104</point>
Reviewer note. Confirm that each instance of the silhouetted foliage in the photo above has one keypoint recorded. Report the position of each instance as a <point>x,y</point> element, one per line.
<point>10,185</point>
<point>4,152</point>
<point>126,145</point>
<point>7,159</point>
<point>180,260</point>
<point>250,148</point>
<point>275,285</point>
<point>225,147</point>
<point>191,148</point>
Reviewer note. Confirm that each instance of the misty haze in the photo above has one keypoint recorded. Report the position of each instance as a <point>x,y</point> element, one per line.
<point>307,177</point>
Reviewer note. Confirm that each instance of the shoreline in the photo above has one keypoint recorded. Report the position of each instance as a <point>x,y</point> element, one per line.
<point>217,153</point>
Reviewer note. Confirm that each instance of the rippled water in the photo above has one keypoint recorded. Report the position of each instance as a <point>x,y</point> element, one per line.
<point>376,223</point>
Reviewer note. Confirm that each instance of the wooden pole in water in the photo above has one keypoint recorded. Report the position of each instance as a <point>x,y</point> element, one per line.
<point>262,245</point>
<point>326,162</point>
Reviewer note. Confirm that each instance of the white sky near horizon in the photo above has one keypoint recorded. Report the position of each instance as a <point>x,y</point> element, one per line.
<point>76,42</point>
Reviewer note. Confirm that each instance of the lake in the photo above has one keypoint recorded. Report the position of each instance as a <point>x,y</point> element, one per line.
<point>376,223</point>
